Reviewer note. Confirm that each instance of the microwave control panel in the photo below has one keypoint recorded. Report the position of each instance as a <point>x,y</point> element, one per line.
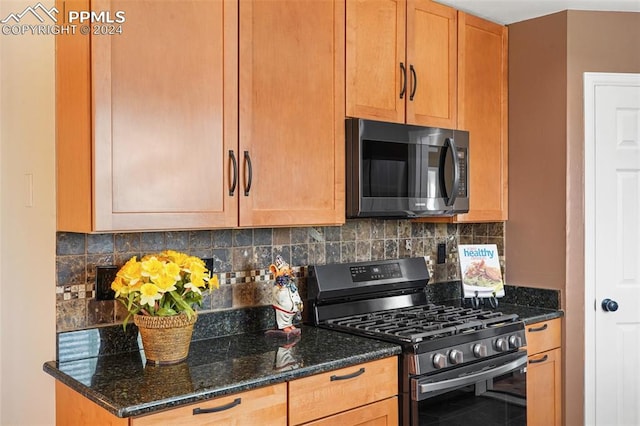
<point>462,167</point>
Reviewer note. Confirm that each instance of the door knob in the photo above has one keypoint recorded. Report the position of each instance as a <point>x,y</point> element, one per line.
<point>609,305</point>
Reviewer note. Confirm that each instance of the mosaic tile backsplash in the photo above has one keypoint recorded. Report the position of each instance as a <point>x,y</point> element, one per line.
<point>241,258</point>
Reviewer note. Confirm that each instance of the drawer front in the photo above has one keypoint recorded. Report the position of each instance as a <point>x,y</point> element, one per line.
<point>543,336</point>
<point>340,390</point>
<point>381,413</point>
<point>264,406</point>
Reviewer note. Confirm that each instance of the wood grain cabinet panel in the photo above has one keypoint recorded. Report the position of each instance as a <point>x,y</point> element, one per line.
<point>401,61</point>
<point>148,120</point>
<point>265,406</point>
<point>482,110</point>
<point>544,373</point>
<point>376,48</point>
<point>381,413</point>
<point>543,336</point>
<point>337,391</point>
<point>73,409</point>
<point>155,105</point>
<point>431,55</point>
<point>292,112</point>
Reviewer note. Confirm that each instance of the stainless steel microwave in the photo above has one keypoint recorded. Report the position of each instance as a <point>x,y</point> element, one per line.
<point>400,170</point>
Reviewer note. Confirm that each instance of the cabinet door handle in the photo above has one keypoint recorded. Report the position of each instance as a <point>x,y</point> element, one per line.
<point>234,164</point>
<point>414,86</point>
<point>232,404</point>
<point>534,329</point>
<point>348,376</point>
<point>247,160</point>
<point>404,80</point>
<point>537,361</point>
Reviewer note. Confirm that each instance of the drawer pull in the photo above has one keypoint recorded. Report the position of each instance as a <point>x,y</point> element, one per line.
<point>232,404</point>
<point>537,361</point>
<point>348,376</point>
<point>534,329</point>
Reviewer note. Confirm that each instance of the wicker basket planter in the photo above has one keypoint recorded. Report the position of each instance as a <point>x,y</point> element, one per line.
<point>165,340</point>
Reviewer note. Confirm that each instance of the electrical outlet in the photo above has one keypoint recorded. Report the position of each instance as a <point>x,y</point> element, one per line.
<point>442,252</point>
<point>104,277</point>
<point>208,262</point>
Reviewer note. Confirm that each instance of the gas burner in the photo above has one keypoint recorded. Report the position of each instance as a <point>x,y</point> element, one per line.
<point>418,323</point>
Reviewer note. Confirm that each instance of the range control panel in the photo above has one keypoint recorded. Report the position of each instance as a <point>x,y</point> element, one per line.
<point>385,271</point>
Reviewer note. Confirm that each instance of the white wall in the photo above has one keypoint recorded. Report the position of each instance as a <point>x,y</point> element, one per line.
<point>27,234</point>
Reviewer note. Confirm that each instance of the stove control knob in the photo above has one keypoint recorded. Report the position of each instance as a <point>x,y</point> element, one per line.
<point>515,341</point>
<point>479,350</point>
<point>502,345</point>
<point>455,357</point>
<point>439,361</point>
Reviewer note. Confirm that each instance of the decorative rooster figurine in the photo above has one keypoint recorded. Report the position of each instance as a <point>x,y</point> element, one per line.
<point>286,300</point>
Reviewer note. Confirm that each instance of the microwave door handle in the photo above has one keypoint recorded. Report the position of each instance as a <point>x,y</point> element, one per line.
<point>456,172</point>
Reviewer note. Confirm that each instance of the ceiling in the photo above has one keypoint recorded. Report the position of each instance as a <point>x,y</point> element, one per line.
<point>510,11</point>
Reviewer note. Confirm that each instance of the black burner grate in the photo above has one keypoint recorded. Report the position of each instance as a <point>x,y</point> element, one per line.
<point>424,322</point>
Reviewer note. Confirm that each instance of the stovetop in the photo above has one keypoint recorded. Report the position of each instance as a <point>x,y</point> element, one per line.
<point>387,300</point>
<point>421,323</point>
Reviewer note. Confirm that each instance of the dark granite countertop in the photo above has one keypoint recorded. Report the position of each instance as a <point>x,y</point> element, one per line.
<point>530,304</point>
<point>530,314</point>
<point>230,353</point>
<point>126,387</point>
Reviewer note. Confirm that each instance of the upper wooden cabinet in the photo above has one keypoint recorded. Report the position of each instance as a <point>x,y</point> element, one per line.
<point>292,112</point>
<point>482,110</point>
<point>401,61</point>
<point>148,121</point>
<point>146,118</point>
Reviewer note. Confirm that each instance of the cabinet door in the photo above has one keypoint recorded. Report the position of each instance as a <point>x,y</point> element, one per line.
<point>482,110</point>
<point>376,84</point>
<point>431,55</point>
<point>544,389</point>
<point>164,116</point>
<point>381,413</point>
<point>291,112</point>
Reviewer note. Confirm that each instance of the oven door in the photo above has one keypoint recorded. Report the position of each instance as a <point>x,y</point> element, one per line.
<point>490,392</point>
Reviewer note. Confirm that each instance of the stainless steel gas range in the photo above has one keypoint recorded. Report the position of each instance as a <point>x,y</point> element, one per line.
<point>459,366</point>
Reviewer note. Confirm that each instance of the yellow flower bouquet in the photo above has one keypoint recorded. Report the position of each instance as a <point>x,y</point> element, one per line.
<point>163,284</point>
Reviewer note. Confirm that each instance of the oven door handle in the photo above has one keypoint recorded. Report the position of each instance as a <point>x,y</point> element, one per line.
<point>472,378</point>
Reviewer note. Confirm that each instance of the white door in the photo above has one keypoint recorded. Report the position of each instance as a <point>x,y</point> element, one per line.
<point>612,249</point>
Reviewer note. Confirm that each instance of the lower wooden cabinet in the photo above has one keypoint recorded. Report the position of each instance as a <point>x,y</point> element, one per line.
<point>381,413</point>
<point>364,394</point>
<point>73,409</point>
<point>338,391</point>
<point>544,373</point>
<point>264,406</point>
